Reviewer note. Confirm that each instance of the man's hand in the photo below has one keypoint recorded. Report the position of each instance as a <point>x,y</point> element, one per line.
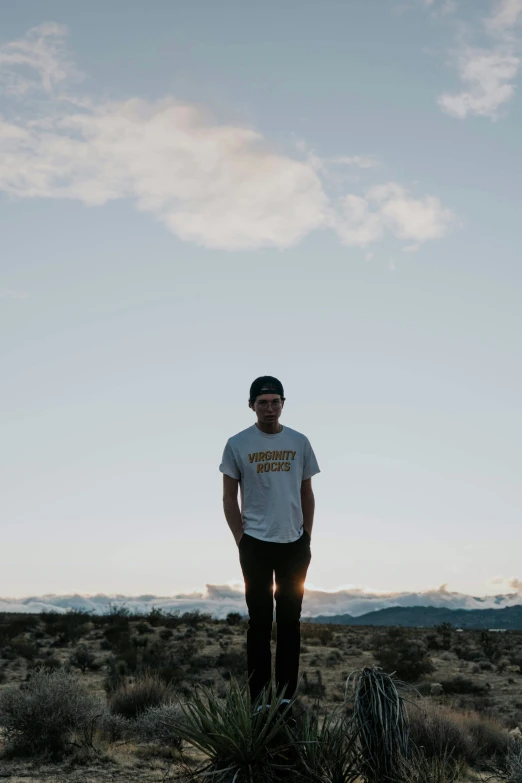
<point>231,507</point>
<point>307,505</point>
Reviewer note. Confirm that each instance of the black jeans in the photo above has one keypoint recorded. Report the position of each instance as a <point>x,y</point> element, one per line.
<point>259,561</point>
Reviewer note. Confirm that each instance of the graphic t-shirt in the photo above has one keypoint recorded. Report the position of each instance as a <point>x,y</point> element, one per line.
<point>270,469</point>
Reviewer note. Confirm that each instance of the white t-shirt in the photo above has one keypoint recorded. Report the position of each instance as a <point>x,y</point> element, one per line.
<point>270,469</point>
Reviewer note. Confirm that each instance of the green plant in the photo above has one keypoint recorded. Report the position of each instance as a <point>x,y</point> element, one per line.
<point>240,741</point>
<point>460,684</point>
<point>47,714</point>
<point>234,618</point>
<point>420,768</point>
<point>327,749</point>
<point>398,653</point>
<point>380,718</point>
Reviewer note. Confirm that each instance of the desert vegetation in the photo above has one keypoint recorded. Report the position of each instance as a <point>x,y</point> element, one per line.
<point>164,696</point>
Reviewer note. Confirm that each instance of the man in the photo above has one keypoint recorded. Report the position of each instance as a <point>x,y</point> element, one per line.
<point>273,467</point>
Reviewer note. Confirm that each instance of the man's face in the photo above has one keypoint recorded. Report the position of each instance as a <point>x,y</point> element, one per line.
<point>268,407</point>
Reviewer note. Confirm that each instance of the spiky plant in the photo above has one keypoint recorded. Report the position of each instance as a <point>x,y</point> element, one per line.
<point>421,768</point>
<point>380,718</point>
<point>241,742</point>
<point>328,751</point>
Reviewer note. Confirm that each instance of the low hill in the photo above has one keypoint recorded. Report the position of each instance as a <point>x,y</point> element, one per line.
<point>428,616</point>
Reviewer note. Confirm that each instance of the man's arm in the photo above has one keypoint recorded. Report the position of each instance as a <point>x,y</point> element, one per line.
<point>231,506</point>
<point>308,505</point>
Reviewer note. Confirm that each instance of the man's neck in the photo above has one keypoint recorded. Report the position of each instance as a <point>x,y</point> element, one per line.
<point>269,429</point>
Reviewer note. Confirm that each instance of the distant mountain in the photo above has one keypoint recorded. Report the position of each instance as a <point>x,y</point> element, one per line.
<point>428,616</point>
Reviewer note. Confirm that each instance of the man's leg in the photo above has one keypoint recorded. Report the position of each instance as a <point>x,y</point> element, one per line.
<point>290,573</point>
<point>257,566</point>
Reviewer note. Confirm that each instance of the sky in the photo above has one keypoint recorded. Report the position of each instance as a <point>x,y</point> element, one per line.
<point>196,194</point>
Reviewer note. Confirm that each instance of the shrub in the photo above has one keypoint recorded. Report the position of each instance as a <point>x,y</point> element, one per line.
<point>396,652</point>
<point>12,625</point>
<point>24,649</point>
<point>417,767</point>
<point>195,618</point>
<point>115,727</point>
<point>234,618</point>
<point>160,725</point>
<point>491,739</point>
<point>131,699</point>
<point>44,715</point>
<point>82,658</point>
<point>460,684</point>
<point>68,627</point>
<point>514,764</point>
<point>438,731</point>
<point>317,689</point>
<point>165,634</point>
<point>234,662</point>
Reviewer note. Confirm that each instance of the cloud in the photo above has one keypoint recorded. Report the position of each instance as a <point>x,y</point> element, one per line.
<point>215,185</point>
<point>359,161</point>
<point>390,207</point>
<point>219,600</point>
<point>42,53</point>
<point>11,293</point>
<point>488,73</point>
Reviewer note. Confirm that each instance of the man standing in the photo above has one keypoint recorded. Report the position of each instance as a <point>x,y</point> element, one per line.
<point>273,467</point>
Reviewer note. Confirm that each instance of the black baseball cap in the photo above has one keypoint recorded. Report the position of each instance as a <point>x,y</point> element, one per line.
<point>266,384</point>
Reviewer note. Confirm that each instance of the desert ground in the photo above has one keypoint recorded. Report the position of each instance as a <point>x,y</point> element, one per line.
<point>472,676</point>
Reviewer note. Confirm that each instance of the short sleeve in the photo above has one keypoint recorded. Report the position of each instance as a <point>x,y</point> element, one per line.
<point>310,467</point>
<point>229,464</point>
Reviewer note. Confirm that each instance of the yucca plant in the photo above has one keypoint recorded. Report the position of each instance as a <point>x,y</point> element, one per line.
<point>328,751</point>
<point>242,743</point>
<point>380,718</point>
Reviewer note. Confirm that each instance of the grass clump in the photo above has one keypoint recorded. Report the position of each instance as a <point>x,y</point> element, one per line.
<point>328,750</point>
<point>48,716</point>
<point>420,768</point>
<point>131,699</point>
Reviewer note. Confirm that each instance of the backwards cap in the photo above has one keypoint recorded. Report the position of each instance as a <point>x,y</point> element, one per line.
<point>266,384</point>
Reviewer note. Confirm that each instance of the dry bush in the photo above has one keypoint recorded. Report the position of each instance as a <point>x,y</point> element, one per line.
<point>463,685</point>
<point>46,714</point>
<point>316,690</point>
<point>114,727</point>
<point>437,730</point>
<point>131,699</point>
<point>82,658</point>
<point>160,725</point>
<point>396,651</point>
<point>491,739</point>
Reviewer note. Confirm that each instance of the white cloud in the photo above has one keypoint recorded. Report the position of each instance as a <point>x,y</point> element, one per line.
<point>359,161</point>
<point>391,208</point>
<point>488,74</point>
<point>42,53</point>
<point>219,186</point>
<point>11,293</point>
<point>219,600</point>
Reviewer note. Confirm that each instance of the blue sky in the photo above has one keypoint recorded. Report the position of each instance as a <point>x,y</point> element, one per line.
<point>195,194</point>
